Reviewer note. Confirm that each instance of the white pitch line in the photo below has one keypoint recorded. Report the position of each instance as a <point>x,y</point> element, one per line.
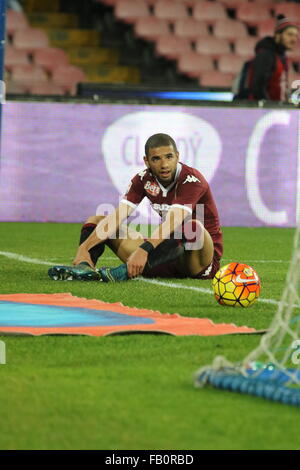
<point>203,290</point>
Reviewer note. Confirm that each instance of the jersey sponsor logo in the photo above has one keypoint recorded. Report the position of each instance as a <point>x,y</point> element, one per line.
<point>152,188</point>
<point>162,209</point>
<point>191,179</point>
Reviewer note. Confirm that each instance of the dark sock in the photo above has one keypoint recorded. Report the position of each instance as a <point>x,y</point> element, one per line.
<point>167,251</point>
<point>97,250</point>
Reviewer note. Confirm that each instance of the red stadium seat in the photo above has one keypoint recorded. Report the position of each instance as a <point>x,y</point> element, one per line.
<point>30,39</point>
<point>50,58</point>
<point>212,46</point>
<point>172,47</point>
<point>216,79</point>
<point>290,10</point>
<point>266,28</point>
<point>15,20</point>
<point>193,64</point>
<point>190,28</point>
<point>28,74</point>
<point>131,10</point>
<point>45,88</point>
<point>244,47</point>
<point>252,13</point>
<point>151,28</point>
<point>14,57</point>
<point>230,29</point>
<point>67,77</point>
<point>15,88</point>
<point>170,10</point>
<point>210,12</point>
<point>233,3</point>
<point>230,63</point>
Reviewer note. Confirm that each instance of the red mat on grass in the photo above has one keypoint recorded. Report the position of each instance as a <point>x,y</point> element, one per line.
<point>40,314</point>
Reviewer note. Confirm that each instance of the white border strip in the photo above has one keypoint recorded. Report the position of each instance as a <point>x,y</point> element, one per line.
<point>173,285</point>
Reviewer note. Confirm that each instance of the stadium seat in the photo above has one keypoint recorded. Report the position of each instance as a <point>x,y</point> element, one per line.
<point>266,28</point>
<point>230,63</point>
<point>45,88</point>
<point>230,29</point>
<point>244,47</point>
<point>30,39</point>
<point>172,47</point>
<point>28,74</point>
<point>193,64</point>
<point>15,88</point>
<point>151,28</point>
<point>50,58</point>
<point>67,77</point>
<point>210,12</point>
<point>170,10</point>
<point>290,10</point>
<point>216,79</point>
<point>252,13</point>
<point>131,10</point>
<point>233,3</point>
<point>190,28</point>
<point>15,20</point>
<point>14,57</point>
<point>212,46</point>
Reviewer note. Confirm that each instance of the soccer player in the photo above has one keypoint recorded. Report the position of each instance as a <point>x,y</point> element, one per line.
<point>187,243</point>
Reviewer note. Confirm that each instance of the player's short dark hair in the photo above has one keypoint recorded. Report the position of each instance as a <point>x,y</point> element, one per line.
<point>159,140</point>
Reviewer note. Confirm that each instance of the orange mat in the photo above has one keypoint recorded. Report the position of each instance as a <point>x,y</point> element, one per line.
<point>41,314</point>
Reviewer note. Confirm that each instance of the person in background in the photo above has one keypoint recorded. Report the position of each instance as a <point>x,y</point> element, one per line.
<point>265,77</point>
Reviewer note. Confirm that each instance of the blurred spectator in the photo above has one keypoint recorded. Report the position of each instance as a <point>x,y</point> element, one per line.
<point>266,76</point>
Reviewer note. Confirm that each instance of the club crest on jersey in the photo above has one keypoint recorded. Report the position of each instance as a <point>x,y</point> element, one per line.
<point>152,188</point>
<point>191,179</point>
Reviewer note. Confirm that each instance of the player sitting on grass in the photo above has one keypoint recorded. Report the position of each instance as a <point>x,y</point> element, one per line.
<point>181,246</point>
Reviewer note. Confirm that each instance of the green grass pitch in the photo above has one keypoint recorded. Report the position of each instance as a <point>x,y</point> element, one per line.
<point>136,391</point>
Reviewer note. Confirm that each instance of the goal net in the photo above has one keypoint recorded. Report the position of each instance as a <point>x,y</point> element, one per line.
<point>272,370</point>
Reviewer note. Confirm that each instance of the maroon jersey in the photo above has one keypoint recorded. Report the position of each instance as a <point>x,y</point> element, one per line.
<point>189,190</point>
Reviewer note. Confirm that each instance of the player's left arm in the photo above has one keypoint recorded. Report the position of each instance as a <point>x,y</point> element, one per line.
<point>137,260</point>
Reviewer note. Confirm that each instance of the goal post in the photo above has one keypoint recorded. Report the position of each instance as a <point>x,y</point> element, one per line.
<point>272,370</point>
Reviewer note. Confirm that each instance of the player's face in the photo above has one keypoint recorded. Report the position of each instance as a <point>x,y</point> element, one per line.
<point>289,38</point>
<point>162,161</point>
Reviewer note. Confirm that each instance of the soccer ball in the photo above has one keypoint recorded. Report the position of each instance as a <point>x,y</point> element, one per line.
<point>237,285</point>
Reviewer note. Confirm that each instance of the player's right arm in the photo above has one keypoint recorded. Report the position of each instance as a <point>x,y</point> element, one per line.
<point>110,224</point>
<point>104,230</point>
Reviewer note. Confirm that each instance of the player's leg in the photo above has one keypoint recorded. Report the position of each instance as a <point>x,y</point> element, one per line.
<point>199,251</point>
<point>125,242</point>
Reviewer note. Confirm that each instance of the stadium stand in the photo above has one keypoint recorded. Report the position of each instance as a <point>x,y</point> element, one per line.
<point>212,46</point>
<point>172,47</point>
<point>169,10</point>
<point>190,28</point>
<point>210,12</point>
<point>215,78</point>
<point>190,42</point>
<point>130,10</point>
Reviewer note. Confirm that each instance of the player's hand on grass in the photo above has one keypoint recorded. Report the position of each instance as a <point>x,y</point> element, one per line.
<point>83,255</point>
<point>136,262</point>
